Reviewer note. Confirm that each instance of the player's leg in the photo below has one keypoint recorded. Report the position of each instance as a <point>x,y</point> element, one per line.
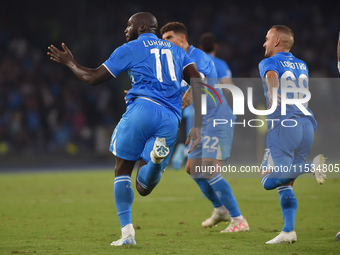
<point>277,169</point>
<point>282,143</point>
<point>127,144</point>
<point>158,149</point>
<point>305,136</point>
<point>225,194</point>
<point>220,212</point>
<point>123,194</point>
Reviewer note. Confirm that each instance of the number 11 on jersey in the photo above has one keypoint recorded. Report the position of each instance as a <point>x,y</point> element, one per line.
<point>170,62</point>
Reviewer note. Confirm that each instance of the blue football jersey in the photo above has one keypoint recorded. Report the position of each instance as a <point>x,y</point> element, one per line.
<point>218,110</point>
<point>155,68</point>
<point>292,72</point>
<point>222,68</point>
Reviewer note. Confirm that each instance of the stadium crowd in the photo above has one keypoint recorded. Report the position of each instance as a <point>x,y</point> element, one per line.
<point>44,108</point>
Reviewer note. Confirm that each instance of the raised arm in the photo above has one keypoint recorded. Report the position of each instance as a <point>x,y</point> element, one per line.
<point>191,72</point>
<point>339,52</point>
<point>91,76</point>
<point>272,81</point>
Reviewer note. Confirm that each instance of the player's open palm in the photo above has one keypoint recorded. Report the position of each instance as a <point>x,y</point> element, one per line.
<point>63,57</point>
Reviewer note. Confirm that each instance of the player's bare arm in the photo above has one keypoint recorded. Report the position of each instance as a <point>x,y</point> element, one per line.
<point>228,81</point>
<point>339,52</point>
<point>187,98</point>
<point>191,71</point>
<point>272,81</point>
<point>89,75</point>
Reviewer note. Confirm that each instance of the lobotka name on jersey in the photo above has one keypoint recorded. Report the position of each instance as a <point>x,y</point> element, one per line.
<point>294,65</point>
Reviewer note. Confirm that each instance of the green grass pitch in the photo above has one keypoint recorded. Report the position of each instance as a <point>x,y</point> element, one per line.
<point>74,213</point>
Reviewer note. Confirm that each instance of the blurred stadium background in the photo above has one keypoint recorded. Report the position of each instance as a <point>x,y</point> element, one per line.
<point>48,117</point>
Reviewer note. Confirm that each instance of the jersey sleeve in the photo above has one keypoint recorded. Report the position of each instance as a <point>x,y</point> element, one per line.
<point>120,60</point>
<point>223,70</point>
<point>267,64</point>
<point>186,59</point>
<point>184,86</point>
<point>204,63</point>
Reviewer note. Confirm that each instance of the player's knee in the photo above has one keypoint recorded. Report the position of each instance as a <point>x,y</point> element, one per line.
<point>143,192</point>
<point>267,183</point>
<point>187,169</point>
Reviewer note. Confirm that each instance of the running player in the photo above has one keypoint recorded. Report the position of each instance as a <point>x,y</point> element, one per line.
<point>287,147</point>
<point>208,44</point>
<point>148,129</point>
<point>216,142</point>
<point>337,237</point>
<point>339,53</point>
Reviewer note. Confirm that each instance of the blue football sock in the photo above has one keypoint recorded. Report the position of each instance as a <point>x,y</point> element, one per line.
<point>288,174</point>
<point>149,175</point>
<point>123,197</point>
<point>288,207</point>
<point>225,194</point>
<point>206,189</point>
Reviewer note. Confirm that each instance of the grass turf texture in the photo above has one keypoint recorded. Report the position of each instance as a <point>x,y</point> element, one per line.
<point>74,213</point>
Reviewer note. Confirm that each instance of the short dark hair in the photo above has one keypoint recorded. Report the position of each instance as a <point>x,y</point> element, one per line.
<point>177,27</point>
<point>207,42</point>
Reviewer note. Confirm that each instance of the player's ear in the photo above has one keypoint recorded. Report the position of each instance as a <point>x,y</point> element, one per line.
<point>142,28</point>
<point>277,42</point>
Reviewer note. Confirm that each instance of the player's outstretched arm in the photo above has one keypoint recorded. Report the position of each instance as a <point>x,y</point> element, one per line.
<point>91,76</point>
<point>339,52</point>
<point>193,77</point>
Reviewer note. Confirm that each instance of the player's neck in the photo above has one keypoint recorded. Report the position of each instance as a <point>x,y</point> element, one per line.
<point>281,50</point>
<point>186,46</point>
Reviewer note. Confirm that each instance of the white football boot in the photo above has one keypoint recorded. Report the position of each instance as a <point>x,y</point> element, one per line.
<point>159,151</point>
<point>128,236</point>
<point>216,218</point>
<point>284,237</point>
<point>337,237</point>
<point>237,226</point>
<point>317,165</point>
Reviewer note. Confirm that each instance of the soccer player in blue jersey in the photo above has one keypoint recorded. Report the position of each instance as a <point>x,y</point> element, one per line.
<point>337,236</point>
<point>148,129</point>
<point>287,145</point>
<point>208,44</point>
<point>339,53</point>
<point>216,141</point>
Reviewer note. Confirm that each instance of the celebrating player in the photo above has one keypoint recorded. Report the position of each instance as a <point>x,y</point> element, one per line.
<point>216,141</point>
<point>208,44</point>
<point>337,237</point>
<point>339,53</point>
<point>148,129</point>
<point>287,147</point>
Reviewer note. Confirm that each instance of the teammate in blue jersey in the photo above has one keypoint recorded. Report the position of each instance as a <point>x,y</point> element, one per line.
<point>337,236</point>
<point>216,141</point>
<point>339,53</point>
<point>287,145</point>
<point>208,44</point>
<point>148,129</point>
